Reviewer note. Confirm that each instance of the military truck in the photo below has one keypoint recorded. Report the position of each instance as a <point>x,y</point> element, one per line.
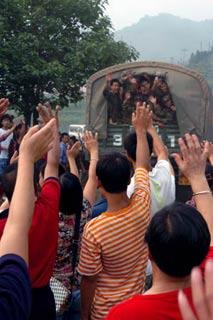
<point>189,105</point>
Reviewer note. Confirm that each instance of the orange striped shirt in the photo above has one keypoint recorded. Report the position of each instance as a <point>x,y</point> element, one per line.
<point>113,247</point>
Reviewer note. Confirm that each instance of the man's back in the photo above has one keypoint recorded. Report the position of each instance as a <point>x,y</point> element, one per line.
<point>113,247</point>
<point>162,185</point>
<point>163,306</point>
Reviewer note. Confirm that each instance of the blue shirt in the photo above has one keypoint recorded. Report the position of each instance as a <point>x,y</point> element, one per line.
<point>15,288</point>
<point>99,207</point>
<point>63,154</point>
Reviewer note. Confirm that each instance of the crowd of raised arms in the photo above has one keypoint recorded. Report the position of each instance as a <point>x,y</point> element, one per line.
<point>116,246</point>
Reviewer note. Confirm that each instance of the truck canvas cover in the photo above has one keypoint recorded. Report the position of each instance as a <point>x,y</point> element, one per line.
<point>189,90</point>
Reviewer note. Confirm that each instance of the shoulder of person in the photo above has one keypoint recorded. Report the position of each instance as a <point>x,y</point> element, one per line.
<point>92,226</point>
<point>161,166</point>
<point>127,309</point>
<point>50,190</point>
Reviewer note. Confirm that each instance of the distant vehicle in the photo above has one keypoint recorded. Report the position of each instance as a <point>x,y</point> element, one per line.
<point>189,92</point>
<point>77,130</point>
<point>184,103</point>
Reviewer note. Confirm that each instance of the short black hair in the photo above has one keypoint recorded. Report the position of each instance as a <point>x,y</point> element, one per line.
<point>6,116</point>
<point>114,80</point>
<point>178,239</point>
<point>64,134</point>
<point>130,144</point>
<point>114,172</point>
<point>73,139</point>
<point>71,199</point>
<point>42,168</point>
<point>8,179</point>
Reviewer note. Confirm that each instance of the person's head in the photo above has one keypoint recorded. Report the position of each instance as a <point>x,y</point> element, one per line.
<point>178,239</point>
<point>71,199</point>
<point>163,87</point>
<point>8,180</point>
<point>20,131</point>
<point>113,172</point>
<point>127,75</point>
<point>41,171</point>
<point>167,101</point>
<point>145,87</point>
<point>134,84</point>
<point>6,121</point>
<point>115,85</point>
<point>65,137</point>
<point>72,140</point>
<point>130,145</point>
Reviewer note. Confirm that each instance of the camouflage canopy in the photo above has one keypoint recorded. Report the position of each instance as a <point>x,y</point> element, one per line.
<point>190,92</point>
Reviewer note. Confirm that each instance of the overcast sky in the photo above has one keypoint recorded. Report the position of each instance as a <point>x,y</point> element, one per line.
<point>126,12</point>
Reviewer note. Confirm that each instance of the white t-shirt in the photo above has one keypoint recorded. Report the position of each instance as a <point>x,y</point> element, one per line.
<point>5,144</point>
<point>162,185</point>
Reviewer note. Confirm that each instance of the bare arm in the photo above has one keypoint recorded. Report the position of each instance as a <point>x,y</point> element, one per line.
<point>91,143</point>
<point>51,169</point>
<point>4,103</point>
<point>140,120</point>
<point>159,147</point>
<point>6,135</point>
<point>72,153</point>
<point>192,163</point>
<point>88,286</point>
<point>15,236</point>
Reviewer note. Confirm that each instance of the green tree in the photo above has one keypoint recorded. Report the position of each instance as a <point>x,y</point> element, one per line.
<point>202,61</point>
<point>53,47</point>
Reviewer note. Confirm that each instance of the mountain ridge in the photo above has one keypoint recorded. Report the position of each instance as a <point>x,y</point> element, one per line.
<point>167,37</point>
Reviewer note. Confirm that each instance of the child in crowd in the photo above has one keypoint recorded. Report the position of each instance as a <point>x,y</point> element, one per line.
<point>113,254</point>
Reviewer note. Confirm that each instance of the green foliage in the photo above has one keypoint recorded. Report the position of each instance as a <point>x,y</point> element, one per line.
<point>202,61</point>
<point>53,47</point>
<point>75,113</point>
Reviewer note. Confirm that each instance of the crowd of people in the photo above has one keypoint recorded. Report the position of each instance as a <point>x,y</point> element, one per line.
<point>122,95</point>
<point>134,253</point>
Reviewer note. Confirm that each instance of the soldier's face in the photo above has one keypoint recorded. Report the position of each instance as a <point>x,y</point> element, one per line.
<point>163,87</point>
<point>145,87</point>
<point>115,87</point>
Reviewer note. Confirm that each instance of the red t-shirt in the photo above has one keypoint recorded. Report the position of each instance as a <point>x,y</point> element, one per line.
<point>163,306</point>
<point>43,235</point>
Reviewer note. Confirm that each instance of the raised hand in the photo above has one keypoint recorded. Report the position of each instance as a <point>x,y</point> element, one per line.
<point>109,77</point>
<point>192,158</point>
<point>202,293</point>
<point>57,111</point>
<point>4,103</point>
<point>153,100</point>
<point>73,152</point>
<point>14,157</point>
<point>142,117</point>
<point>37,142</point>
<point>91,141</point>
<point>46,113</point>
